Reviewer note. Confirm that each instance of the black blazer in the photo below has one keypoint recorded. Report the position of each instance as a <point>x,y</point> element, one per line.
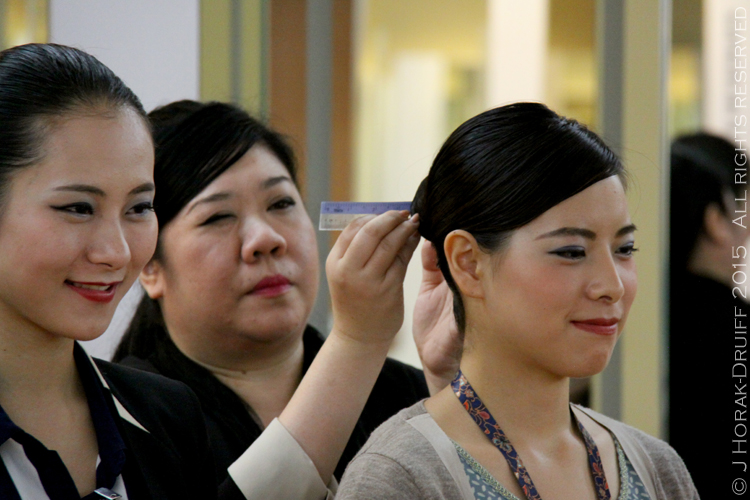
<point>161,422</point>
<point>232,427</point>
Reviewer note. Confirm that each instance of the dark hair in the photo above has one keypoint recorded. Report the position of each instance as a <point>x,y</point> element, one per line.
<point>195,143</point>
<point>702,173</point>
<point>43,81</point>
<point>502,169</point>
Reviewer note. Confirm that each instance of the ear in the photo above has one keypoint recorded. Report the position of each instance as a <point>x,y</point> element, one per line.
<point>717,225</point>
<point>152,279</point>
<point>466,262</point>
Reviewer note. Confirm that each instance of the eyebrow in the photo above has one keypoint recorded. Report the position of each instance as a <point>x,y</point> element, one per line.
<point>272,181</point>
<point>585,233</point>
<point>85,188</point>
<point>210,199</point>
<point>225,195</point>
<point>143,188</point>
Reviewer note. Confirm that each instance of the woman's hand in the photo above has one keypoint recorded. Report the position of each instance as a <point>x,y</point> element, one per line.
<point>365,271</point>
<point>434,326</point>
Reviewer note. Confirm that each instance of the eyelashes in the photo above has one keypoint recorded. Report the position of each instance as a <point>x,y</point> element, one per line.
<point>570,253</point>
<point>282,204</point>
<point>80,208</point>
<point>143,208</point>
<point>216,218</point>
<point>628,249</point>
<point>578,252</point>
<point>87,209</point>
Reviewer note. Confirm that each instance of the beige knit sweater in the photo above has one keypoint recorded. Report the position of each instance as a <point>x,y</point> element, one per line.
<point>410,457</point>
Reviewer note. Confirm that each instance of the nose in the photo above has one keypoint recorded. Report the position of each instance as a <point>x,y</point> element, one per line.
<point>260,239</point>
<point>606,283</point>
<point>110,247</point>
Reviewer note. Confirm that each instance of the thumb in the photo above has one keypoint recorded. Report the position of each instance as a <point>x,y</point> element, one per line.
<point>429,259</point>
<point>431,274</point>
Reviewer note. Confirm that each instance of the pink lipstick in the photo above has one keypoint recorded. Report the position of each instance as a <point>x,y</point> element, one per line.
<point>599,326</point>
<point>271,286</point>
<point>95,292</point>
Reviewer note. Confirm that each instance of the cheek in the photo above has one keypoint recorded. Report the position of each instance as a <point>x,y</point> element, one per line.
<point>194,250</point>
<point>142,243</point>
<point>193,261</point>
<point>549,287</point>
<point>629,279</point>
<point>300,235</point>
<point>209,261</point>
<point>305,253</point>
<point>43,243</point>
<point>532,293</point>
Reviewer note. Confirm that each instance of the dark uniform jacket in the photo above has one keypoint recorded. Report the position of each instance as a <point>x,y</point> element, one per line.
<point>232,425</point>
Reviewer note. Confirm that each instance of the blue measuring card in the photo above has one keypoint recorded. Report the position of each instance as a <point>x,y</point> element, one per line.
<point>336,215</point>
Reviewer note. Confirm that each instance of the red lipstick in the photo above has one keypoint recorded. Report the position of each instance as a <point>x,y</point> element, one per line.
<point>599,326</point>
<point>271,286</point>
<point>95,292</point>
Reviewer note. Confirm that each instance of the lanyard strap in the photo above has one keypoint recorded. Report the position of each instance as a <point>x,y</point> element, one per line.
<point>483,418</point>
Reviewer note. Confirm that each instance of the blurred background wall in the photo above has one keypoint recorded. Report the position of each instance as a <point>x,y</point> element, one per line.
<point>367,90</point>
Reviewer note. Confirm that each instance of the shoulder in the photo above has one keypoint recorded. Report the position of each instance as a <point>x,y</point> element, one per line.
<point>669,470</point>
<point>396,436</point>
<point>151,398</point>
<point>656,449</point>
<point>163,427</point>
<point>398,386</point>
<point>658,458</point>
<point>130,378</point>
<point>398,462</point>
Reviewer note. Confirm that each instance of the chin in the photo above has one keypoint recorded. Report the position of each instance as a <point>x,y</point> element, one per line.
<point>274,331</point>
<point>75,325</point>
<point>594,365</point>
<point>88,337</point>
<point>82,333</point>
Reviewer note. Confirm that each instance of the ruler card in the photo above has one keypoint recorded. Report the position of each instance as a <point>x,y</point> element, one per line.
<point>336,215</point>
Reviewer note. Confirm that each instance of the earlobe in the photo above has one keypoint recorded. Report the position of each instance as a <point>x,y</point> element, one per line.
<point>716,223</point>
<point>463,255</point>
<point>152,280</point>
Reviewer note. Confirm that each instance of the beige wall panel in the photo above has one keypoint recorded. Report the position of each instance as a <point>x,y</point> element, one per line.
<point>647,40</point>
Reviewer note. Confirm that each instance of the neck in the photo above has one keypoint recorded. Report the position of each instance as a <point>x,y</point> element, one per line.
<point>526,403</point>
<point>35,365</point>
<point>267,383</point>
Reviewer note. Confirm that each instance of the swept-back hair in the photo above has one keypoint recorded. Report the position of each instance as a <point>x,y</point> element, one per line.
<point>502,169</point>
<point>41,82</point>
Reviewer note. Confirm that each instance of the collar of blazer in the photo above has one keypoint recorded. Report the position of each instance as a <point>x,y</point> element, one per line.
<point>121,410</point>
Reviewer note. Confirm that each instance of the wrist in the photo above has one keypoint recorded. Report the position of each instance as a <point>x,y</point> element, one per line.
<point>356,340</point>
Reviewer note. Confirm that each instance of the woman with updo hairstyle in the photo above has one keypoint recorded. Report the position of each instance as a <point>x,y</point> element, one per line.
<point>77,226</point>
<point>527,212</point>
<point>232,283</point>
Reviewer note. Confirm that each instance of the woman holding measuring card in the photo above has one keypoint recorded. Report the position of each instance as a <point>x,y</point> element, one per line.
<point>528,214</point>
<point>76,228</point>
<point>235,276</point>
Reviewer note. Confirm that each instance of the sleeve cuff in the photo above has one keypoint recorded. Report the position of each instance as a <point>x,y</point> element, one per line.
<point>276,467</point>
